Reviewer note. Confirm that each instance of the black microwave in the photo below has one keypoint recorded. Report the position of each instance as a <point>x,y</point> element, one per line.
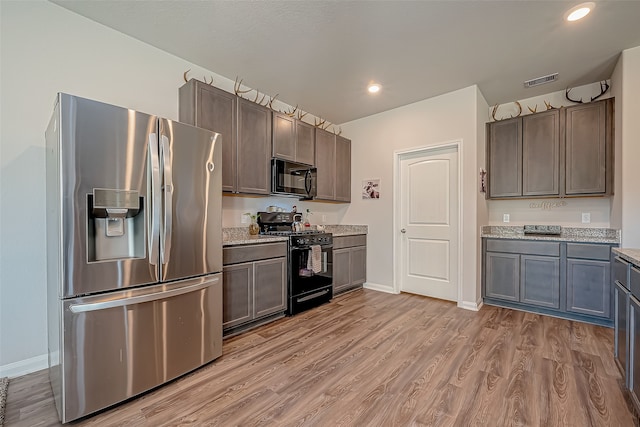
<point>293,179</point>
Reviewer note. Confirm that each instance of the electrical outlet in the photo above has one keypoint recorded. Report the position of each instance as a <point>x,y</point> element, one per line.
<point>244,219</point>
<point>505,217</point>
<point>324,218</point>
<point>586,217</point>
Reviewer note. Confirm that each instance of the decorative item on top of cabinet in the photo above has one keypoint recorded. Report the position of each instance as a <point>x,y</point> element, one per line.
<point>566,152</point>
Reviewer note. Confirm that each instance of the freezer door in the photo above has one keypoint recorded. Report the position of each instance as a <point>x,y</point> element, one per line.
<point>99,204</point>
<point>191,228</point>
<point>120,344</point>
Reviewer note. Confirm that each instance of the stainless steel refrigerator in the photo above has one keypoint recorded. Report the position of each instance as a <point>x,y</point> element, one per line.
<point>134,252</point>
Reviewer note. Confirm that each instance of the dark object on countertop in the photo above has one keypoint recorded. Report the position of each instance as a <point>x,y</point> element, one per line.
<point>547,230</point>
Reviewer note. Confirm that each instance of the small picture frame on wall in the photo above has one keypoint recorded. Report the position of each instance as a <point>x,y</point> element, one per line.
<point>371,188</point>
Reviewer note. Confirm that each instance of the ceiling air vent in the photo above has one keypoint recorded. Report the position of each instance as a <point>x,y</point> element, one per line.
<point>541,80</point>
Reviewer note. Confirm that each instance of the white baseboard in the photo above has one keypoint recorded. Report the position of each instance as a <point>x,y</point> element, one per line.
<point>23,367</point>
<point>468,305</point>
<point>380,288</point>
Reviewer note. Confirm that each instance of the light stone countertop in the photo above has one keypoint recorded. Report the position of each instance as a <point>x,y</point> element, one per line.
<point>240,235</point>
<point>631,255</point>
<point>569,234</point>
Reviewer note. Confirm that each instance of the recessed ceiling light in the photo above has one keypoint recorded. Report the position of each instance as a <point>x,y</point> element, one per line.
<point>579,11</point>
<point>373,88</point>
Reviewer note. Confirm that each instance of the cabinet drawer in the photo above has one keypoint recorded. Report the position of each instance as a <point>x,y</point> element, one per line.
<point>588,251</point>
<point>524,247</point>
<point>634,280</point>
<point>349,241</point>
<point>238,254</point>
<point>621,272</point>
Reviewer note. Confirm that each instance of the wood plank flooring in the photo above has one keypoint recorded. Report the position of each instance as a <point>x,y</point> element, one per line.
<point>375,359</point>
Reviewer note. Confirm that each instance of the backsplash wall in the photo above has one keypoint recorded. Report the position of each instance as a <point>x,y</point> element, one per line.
<point>233,208</point>
<point>566,212</point>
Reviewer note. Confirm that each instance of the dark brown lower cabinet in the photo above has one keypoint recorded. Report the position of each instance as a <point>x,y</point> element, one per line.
<point>634,351</point>
<point>564,279</point>
<point>254,287</point>
<point>349,263</point>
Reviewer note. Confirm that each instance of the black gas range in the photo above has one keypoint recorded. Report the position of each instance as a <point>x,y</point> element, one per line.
<point>310,262</point>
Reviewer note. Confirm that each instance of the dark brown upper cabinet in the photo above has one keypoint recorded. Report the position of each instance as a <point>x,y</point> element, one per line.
<point>566,152</point>
<point>293,139</point>
<point>333,161</point>
<point>246,134</point>
<point>589,151</point>
<point>214,109</point>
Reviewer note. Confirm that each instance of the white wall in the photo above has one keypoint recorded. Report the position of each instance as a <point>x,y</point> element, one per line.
<point>46,49</point>
<point>630,147</point>
<point>374,139</point>
<point>233,208</point>
<point>482,214</point>
<point>616,201</point>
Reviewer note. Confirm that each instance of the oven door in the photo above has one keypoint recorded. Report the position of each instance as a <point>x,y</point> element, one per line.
<point>304,280</point>
<point>293,179</point>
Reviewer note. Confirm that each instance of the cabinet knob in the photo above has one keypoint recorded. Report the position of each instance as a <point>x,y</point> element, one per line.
<point>403,231</point>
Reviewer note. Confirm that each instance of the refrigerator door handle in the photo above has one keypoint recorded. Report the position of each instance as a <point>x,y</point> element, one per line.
<point>165,157</point>
<point>154,166</point>
<point>139,299</point>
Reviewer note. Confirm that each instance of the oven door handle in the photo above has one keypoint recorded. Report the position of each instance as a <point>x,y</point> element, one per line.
<point>313,295</point>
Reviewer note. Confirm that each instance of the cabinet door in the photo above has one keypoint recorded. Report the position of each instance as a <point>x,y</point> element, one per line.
<point>326,164</point>
<point>502,280</point>
<point>541,153</point>
<point>254,148</point>
<point>343,169</point>
<point>586,162</point>
<point>270,286</point>
<point>358,265</point>
<point>589,287</point>
<point>341,269</point>
<point>621,328</point>
<point>540,281</point>
<point>284,137</point>
<point>237,294</point>
<point>305,143</point>
<point>504,158</point>
<point>634,351</point>
<point>214,109</point>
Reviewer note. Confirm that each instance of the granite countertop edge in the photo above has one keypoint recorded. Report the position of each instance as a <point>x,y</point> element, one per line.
<point>233,236</point>
<point>569,234</point>
<point>631,255</point>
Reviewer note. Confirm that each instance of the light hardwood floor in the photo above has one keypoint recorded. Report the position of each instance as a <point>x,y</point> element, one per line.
<point>375,359</point>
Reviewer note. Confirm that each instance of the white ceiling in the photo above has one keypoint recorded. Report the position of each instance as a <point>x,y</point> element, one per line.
<point>322,54</point>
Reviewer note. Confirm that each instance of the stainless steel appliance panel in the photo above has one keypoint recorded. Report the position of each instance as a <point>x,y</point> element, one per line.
<point>191,230</point>
<point>123,343</point>
<point>105,147</point>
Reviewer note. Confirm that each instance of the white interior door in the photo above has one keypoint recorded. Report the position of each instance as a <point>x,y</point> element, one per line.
<point>429,223</point>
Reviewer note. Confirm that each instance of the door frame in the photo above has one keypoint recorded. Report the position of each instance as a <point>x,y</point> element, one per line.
<point>398,156</point>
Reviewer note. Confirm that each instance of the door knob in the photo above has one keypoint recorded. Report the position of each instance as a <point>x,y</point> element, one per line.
<point>403,231</point>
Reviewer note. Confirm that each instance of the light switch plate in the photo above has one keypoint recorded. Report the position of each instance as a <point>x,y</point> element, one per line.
<point>505,218</point>
<point>244,219</point>
<point>586,217</point>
